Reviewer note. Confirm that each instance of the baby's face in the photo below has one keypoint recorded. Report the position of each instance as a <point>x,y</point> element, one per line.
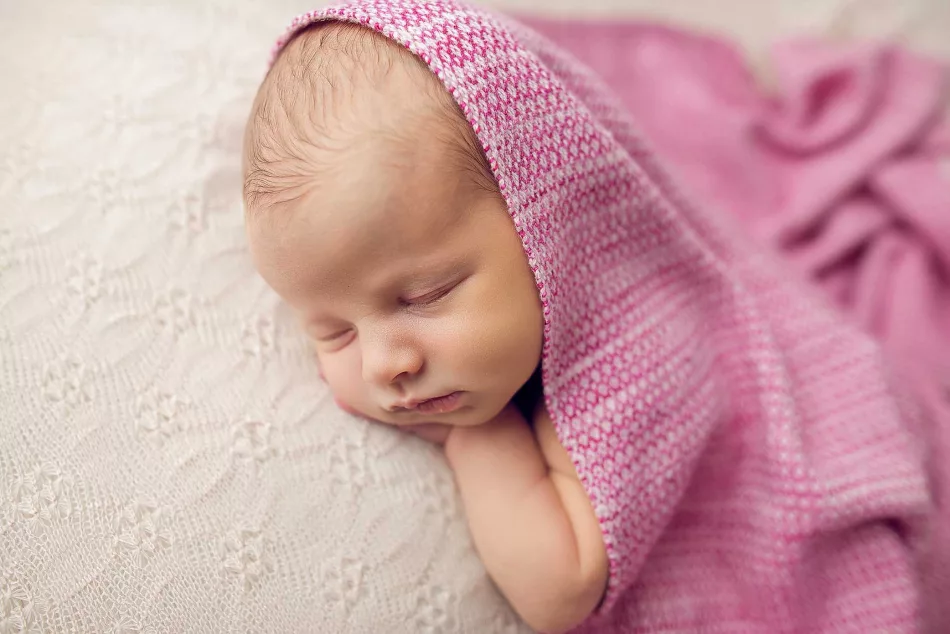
<point>409,278</point>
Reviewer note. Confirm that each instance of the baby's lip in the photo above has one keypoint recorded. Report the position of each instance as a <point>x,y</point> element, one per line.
<point>414,403</point>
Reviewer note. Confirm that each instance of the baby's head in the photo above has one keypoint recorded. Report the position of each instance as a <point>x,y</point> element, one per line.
<point>372,211</point>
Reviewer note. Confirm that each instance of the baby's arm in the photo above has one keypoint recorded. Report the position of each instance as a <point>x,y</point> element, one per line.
<point>532,523</point>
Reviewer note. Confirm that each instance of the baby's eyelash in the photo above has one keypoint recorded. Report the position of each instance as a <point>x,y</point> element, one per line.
<point>334,336</point>
<point>428,298</point>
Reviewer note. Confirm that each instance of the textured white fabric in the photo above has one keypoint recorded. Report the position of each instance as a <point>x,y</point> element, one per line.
<point>168,459</point>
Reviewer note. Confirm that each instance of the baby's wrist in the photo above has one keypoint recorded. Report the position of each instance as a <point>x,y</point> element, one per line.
<point>462,438</point>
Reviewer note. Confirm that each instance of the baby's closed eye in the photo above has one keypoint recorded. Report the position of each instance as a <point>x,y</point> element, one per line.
<point>334,339</point>
<point>430,297</point>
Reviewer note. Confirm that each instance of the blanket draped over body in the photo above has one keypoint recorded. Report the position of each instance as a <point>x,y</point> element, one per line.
<point>746,306</point>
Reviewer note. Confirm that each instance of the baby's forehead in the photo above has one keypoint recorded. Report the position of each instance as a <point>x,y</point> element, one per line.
<point>331,66</point>
<point>331,83</point>
<point>339,92</point>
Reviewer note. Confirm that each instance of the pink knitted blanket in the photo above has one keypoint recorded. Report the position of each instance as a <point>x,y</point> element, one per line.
<point>754,464</point>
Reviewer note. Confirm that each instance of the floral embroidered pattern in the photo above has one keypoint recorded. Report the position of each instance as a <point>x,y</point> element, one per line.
<point>259,338</point>
<point>157,413</point>
<point>174,311</point>
<point>141,532</point>
<point>435,611</point>
<point>67,380</point>
<point>348,464</point>
<point>188,213</point>
<point>439,495</point>
<point>253,441</point>
<point>109,192</point>
<point>41,495</point>
<point>343,582</point>
<point>244,554</point>
<point>84,280</point>
<point>18,610</point>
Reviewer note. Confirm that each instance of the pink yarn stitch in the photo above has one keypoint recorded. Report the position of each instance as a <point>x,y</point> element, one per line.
<point>747,454</point>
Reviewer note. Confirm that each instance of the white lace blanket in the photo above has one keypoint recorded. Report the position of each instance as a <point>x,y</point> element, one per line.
<point>169,461</point>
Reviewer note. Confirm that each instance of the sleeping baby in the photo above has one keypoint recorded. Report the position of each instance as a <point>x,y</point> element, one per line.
<point>373,213</point>
<point>485,254</point>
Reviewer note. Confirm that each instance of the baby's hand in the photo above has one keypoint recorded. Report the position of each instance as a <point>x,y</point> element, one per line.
<point>531,519</point>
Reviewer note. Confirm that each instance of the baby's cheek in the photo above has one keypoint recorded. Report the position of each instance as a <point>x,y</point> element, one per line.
<point>344,406</point>
<point>336,376</point>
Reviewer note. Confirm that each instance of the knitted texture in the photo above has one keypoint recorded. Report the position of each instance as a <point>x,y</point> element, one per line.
<point>842,169</point>
<point>169,459</point>
<point>170,462</point>
<point>743,447</point>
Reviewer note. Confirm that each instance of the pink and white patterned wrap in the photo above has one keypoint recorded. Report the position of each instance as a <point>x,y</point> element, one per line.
<point>752,467</point>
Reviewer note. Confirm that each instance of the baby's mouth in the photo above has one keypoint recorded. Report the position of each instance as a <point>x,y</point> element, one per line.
<point>438,405</point>
<point>441,404</point>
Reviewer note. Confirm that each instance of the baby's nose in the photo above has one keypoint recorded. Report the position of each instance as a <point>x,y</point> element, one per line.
<point>387,364</point>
